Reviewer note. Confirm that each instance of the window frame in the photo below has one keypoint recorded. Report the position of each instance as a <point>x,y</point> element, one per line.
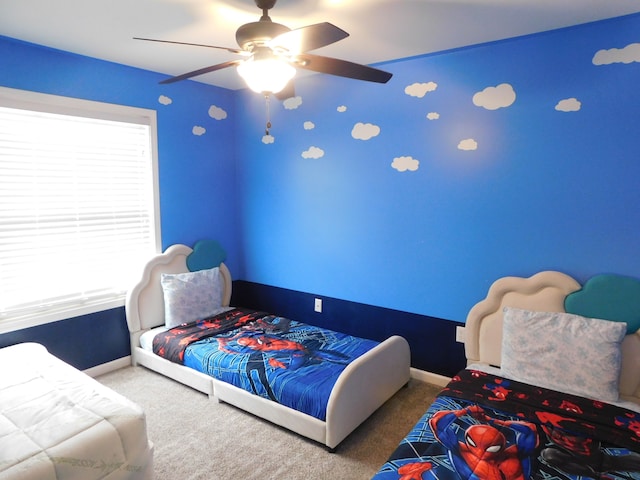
<point>44,102</point>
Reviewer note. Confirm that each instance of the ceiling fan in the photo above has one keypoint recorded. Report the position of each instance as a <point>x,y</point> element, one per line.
<point>273,52</point>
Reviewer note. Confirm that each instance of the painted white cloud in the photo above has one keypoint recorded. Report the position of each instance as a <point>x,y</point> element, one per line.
<point>217,113</point>
<point>342,108</point>
<point>628,54</point>
<point>468,144</point>
<point>292,103</point>
<point>309,125</point>
<point>569,105</point>
<point>164,100</point>
<point>433,115</point>
<point>198,130</point>
<point>365,131</point>
<point>267,139</point>
<point>493,98</point>
<point>402,164</point>
<point>313,152</point>
<point>420,89</point>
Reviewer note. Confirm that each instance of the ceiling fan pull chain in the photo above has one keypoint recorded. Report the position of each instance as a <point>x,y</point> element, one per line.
<point>268,125</point>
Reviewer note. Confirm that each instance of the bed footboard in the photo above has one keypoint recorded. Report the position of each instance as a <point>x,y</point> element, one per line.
<point>365,385</point>
<point>361,389</point>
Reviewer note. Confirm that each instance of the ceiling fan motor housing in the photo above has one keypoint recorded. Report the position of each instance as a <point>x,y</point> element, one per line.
<point>265,4</point>
<point>259,33</point>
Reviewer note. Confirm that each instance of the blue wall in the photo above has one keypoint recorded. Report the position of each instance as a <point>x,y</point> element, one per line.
<point>543,176</point>
<point>196,150</point>
<point>531,181</point>
<point>198,197</point>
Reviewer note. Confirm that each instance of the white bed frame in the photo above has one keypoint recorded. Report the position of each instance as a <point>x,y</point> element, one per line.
<point>544,291</point>
<point>360,390</point>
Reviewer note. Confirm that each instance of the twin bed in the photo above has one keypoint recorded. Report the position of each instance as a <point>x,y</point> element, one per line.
<point>58,423</point>
<point>316,382</point>
<point>551,390</point>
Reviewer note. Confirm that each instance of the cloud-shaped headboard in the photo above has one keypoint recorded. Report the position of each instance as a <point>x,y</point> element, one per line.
<point>206,254</point>
<point>609,297</point>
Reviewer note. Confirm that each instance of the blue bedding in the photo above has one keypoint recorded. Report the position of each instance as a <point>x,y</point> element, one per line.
<point>485,427</point>
<point>289,362</point>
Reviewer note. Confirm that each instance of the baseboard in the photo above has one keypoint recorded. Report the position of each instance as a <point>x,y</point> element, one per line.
<point>108,367</point>
<point>428,377</point>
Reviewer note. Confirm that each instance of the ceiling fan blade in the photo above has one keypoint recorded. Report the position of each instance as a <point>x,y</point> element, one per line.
<point>232,50</point>
<point>309,38</point>
<point>287,92</point>
<point>202,71</point>
<point>341,68</point>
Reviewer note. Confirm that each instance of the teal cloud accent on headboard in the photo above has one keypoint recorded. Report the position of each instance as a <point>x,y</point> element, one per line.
<point>206,254</point>
<point>609,297</point>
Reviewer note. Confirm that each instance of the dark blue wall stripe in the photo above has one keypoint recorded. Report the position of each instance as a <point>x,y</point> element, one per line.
<point>432,340</point>
<point>91,340</point>
<point>84,341</point>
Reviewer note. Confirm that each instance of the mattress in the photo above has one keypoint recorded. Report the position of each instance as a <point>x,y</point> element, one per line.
<point>58,423</point>
<point>146,339</point>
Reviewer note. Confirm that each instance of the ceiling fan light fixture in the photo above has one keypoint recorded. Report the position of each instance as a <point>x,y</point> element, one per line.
<point>266,73</point>
<point>275,52</point>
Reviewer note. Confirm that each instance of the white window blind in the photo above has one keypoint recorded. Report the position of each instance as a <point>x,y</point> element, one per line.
<point>77,210</point>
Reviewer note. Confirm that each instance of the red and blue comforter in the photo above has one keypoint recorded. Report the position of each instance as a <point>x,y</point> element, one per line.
<point>286,361</point>
<point>484,427</point>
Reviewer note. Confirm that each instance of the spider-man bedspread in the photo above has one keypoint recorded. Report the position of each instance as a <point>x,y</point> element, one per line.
<point>483,427</point>
<point>289,362</point>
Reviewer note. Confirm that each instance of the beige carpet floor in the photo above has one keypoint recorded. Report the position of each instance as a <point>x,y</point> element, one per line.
<point>197,438</point>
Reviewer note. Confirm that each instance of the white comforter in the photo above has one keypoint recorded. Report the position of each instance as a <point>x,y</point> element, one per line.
<point>58,423</point>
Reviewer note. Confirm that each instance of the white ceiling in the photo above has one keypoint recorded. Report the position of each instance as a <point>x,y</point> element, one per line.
<point>379,30</point>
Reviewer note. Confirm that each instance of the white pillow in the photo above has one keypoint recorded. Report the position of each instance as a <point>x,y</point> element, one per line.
<point>191,296</point>
<point>564,352</point>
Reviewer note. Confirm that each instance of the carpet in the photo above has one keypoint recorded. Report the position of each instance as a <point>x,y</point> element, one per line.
<point>197,438</point>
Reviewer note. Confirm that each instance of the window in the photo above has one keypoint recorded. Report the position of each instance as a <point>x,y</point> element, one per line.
<point>78,205</point>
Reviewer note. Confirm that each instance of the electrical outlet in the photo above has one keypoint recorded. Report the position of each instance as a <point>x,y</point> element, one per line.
<point>460,334</point>
<point>318,305</point>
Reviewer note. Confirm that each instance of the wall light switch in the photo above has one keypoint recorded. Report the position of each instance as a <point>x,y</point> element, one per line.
<point>318,305</point>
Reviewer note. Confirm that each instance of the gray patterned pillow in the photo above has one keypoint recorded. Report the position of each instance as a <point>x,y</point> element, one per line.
<point>564,352</point>
<point>191,296</point>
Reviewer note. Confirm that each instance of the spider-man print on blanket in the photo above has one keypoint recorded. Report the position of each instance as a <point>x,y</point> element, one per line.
<point>286,361</point>
<point>484,427</point>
